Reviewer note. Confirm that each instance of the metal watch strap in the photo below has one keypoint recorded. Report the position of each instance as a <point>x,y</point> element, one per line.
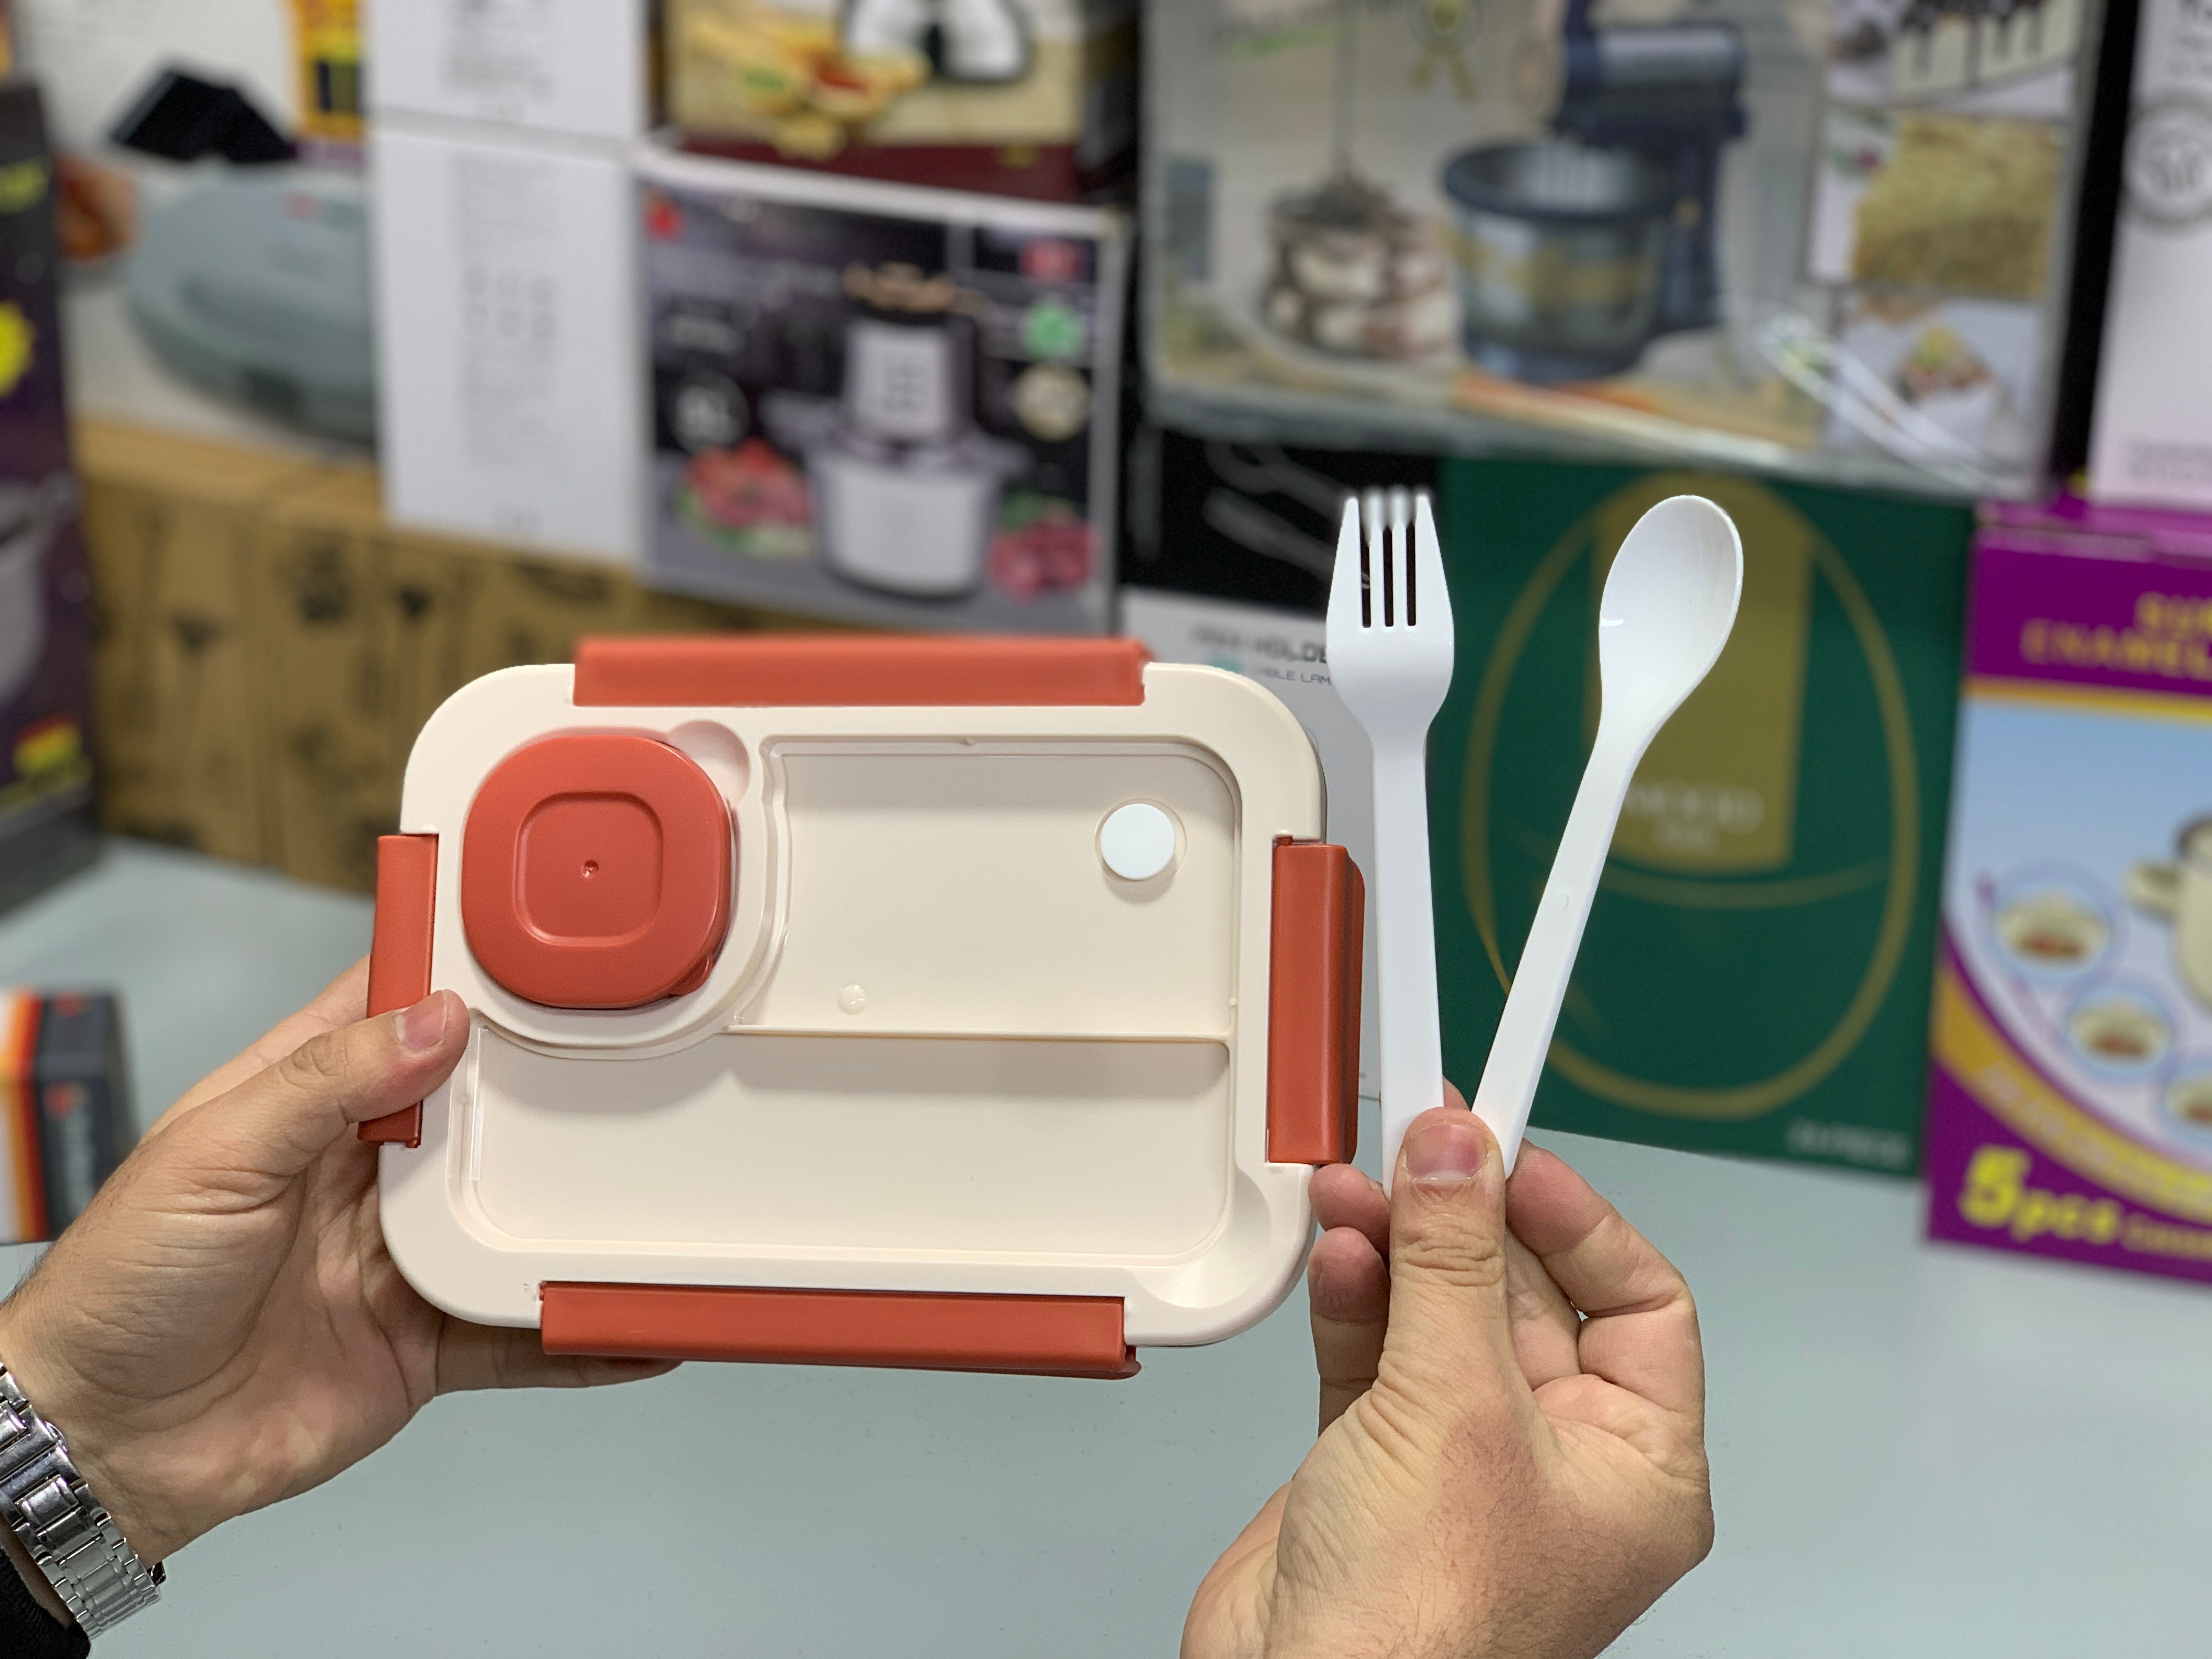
<point>75,1543</point>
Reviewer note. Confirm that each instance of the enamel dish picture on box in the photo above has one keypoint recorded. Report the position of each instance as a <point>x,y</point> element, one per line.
<point>966,1004</point>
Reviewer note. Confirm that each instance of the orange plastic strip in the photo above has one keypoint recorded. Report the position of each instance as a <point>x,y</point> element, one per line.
<point>399,954</point>
<point>19,1097</point>
<point>1313,1004</point>
<point>784,670</point>
<point>1056,1336</point>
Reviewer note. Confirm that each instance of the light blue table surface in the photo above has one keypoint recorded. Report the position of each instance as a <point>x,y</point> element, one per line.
<point>1916,1450</point>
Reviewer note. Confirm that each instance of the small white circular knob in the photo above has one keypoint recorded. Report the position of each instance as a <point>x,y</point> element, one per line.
<point>1138,842</point>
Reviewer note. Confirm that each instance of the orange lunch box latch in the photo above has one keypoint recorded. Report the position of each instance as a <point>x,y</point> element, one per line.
<point>1313,1004</point>
<point>912,1330</point>
<point>399,955</point>
<point>789,670</point>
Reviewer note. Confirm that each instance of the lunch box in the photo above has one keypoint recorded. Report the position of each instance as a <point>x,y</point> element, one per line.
<point>951,1003</point>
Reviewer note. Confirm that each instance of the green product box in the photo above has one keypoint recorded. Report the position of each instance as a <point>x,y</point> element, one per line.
<point>1755,975</point>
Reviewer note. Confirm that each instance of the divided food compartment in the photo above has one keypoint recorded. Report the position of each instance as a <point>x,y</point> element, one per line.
<point>969,1004</point>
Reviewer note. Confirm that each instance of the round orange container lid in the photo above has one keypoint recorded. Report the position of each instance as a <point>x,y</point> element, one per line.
<point>595,872</point>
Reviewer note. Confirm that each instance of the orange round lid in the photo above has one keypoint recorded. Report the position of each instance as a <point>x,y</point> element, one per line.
<point>595,872</point>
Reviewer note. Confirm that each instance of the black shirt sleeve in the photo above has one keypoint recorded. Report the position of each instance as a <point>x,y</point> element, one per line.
<point>27,1631</point>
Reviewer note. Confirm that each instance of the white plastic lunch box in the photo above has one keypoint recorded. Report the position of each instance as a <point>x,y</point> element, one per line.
<point>966,1004</point>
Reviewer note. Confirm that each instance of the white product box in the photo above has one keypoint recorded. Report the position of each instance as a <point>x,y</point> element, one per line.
<point>1286,652</point>
<point>507,305</point>
<point>570,66</point>
<point>2152,441</point>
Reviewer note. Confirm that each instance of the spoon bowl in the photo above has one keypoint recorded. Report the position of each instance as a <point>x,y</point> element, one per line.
<point>1669,602</point>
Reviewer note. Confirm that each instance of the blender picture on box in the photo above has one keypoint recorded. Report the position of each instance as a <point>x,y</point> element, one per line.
<point>881,405</point>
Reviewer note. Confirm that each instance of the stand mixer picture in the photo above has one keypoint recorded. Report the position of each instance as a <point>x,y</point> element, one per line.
<point>1577,251</point>
<point>906,490</point>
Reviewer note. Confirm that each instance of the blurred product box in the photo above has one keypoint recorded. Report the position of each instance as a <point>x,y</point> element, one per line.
<point>1833,241</point>
<point>512,380</point>
<point>2070,1104</point>
<point>65,1119</point>
<point>881,405</point>
<point>1033,98</point>
<point>46,620</point>
<point>577,67</point>
<point>212,216</point>
<point>271,644</point>
<point>1755,974</point>
<point>2151,440</point>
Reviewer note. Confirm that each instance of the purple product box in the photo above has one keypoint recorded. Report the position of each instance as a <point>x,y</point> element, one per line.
<point>46,623</point>
<point>2071,1103</point>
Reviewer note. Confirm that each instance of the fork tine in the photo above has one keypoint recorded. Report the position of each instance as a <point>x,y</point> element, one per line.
<point>1347,591</point>
<point>1428,557</point>
<point>1374,559</point>
<point>1401,552</point>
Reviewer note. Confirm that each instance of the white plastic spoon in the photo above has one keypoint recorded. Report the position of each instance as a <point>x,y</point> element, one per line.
<point>1669,604</point>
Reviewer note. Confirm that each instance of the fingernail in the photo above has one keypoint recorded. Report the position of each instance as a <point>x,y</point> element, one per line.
<point>1443,1154</point>
<point>422,1026</point>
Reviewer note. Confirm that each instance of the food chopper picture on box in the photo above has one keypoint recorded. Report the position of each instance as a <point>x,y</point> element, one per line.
<point>878,404</point>
<point>1696,227</point>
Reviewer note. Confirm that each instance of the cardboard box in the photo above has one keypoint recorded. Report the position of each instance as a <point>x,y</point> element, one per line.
<point>2151,441</point>
<point>577,67</point>
<point>46,763</point>
<point>170,524</point>
<point>881,405</point>
<point>1035,97</point>
<point>509,356</point>
<point>2070,1101</point>
<point>1754,976</point>
<point>1691,234</point>
<point>65,1118</point>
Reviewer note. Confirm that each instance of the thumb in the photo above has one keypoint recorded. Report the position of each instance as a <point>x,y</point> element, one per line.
<point>261,1135</point>
<point>1450,1325</point>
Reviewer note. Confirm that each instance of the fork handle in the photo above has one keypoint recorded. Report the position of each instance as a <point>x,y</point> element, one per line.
<point>1412,1061</point>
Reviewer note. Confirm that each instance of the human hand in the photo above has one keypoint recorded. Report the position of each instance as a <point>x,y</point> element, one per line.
<point>222,1327</point>
<point>1511,1462</point>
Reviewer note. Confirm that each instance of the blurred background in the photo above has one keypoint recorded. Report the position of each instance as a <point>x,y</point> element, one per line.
<point>351,351</point>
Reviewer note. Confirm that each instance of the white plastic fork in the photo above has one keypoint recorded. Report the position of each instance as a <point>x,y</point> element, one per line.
<point>1389,640</point>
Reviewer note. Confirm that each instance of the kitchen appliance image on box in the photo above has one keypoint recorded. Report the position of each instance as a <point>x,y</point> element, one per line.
<point>218,287</point>
<point>1754,977</point>
<point>1576,251</point>
<point>1034,943</point>
<point>1029,97</point>
<point>1719,232</point>
<point>2069,1107</point>
<point>255,288</point>
<point>881,405</point>
<point>906,491</point>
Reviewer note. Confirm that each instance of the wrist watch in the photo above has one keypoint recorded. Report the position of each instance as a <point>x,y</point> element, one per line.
<point>74,1541</point>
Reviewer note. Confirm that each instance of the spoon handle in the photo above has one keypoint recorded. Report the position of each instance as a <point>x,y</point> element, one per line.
<point>1540,981</point>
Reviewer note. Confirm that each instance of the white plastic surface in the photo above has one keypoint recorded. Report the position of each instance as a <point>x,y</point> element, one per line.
<point>945,1049</point>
